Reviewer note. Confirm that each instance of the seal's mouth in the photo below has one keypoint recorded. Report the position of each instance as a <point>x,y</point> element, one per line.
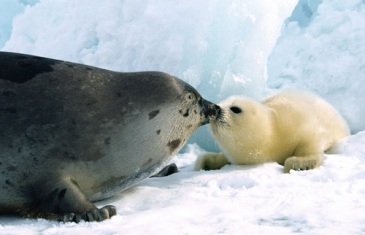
<point>210,111</point>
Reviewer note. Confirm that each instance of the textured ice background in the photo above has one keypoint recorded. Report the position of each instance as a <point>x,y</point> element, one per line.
<point>222,48</point>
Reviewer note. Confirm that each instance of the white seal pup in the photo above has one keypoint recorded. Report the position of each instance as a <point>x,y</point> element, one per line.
<point>72,134</point>
<point>292,128</point>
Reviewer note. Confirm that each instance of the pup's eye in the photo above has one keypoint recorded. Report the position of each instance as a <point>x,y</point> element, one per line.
<point>236,110</point>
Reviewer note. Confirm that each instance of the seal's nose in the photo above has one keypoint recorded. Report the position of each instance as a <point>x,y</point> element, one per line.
<point>210,111</point>
<point>219,111</point>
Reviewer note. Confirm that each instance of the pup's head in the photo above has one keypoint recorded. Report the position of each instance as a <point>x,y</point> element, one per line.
<point>238,118</point>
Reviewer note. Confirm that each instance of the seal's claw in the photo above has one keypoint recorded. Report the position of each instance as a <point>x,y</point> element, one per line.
<point>107,212</point>
<point>68,217</point>
<point>90,216</point>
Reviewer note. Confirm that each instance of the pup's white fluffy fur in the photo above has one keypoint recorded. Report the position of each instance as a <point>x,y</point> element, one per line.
<point>292,128</point>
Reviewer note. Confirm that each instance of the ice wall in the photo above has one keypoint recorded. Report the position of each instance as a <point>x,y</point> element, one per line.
<point>8,9</point>
<point>216,45</point>
<point>219,47</point>
<point>322,49</point>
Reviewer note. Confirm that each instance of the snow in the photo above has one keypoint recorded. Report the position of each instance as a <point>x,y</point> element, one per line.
<point>222,48</point>
<point>234,200</point>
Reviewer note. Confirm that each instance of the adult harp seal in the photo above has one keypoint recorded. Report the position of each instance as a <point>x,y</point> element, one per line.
<point>71,134</point>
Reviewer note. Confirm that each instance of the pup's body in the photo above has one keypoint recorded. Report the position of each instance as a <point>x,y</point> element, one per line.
<point>291,128</point>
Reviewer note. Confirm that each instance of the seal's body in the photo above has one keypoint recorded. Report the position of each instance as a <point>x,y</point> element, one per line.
<point>292,128</point>
<point>71,134</point>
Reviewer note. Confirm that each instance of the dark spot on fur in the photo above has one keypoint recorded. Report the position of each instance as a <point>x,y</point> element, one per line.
<point>189,126</point>
<point>70,156</point>
<point>195,111</point>
<point>153,114</point>
<point>158,132</point>
<point>61,194</point>
<point>11,168</point>
<point>19,68</point>
<point>9,93</point>
<point>8,182</point>
<point>91,102</point>
<point>10,110</point>
<point>185,114</point>
<point>173,145</point>
<point>24,63</point>
<point>38,58</point>
<point>20,56</point>
<point>89,68</point>
<point>107,141</point>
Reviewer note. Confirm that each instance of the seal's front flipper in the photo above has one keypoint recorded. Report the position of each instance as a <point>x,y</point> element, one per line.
<point>93,215</point>
<point>63,200</point>
<point>210,161</point>
<point>301,163</point>
<point>168,170</point>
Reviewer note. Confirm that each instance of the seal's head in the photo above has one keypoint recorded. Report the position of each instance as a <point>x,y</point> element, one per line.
<point>234,112</point>
<point>195,105</point>
<point>188,112</point>
<point>237,122</point>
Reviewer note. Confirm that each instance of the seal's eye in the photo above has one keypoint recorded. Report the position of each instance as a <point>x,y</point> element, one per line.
<point>189,96</point>
<point>236,110</point>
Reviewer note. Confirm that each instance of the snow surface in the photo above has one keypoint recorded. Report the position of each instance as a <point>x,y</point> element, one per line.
<point>234,200</point>
<point>223,48</point>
